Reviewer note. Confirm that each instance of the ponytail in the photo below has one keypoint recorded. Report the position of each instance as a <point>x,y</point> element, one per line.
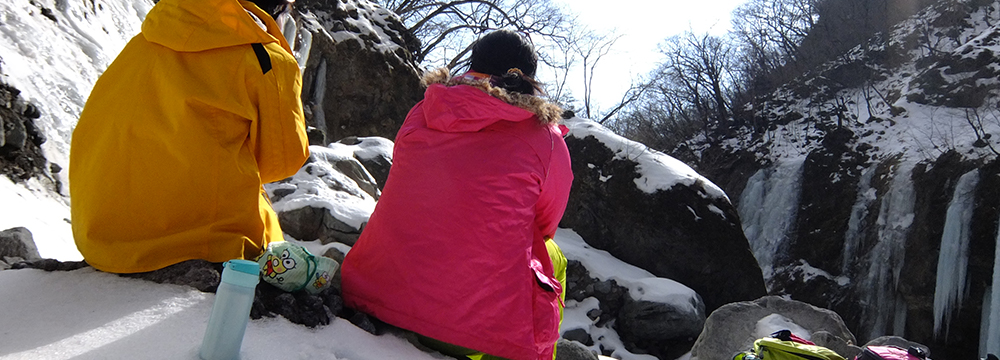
<point>515,81</point>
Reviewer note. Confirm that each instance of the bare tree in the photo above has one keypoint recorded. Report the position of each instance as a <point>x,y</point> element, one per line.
<point>591,47</point>
<point>698,67</point>
<point>446,28</point>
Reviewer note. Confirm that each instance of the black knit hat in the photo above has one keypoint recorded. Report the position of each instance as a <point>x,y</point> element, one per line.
<point>499,53</point>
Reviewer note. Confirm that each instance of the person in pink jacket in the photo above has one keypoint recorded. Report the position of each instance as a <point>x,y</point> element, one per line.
<point>456,247</point>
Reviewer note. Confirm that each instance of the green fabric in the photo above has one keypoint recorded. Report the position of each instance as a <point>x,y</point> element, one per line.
<point>559,265</point>
<point>775,349</point>
<point>291,267</point>
<point>455,350</point>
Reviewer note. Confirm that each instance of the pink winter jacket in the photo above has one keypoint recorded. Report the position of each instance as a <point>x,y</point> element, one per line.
<point>455,248</point>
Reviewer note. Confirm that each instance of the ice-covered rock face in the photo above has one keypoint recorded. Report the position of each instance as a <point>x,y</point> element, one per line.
<point>359,77</point>
<point>654,212</point>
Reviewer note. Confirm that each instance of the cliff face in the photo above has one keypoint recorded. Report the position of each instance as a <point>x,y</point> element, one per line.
<point>359,77</point>
<point>873,191</point>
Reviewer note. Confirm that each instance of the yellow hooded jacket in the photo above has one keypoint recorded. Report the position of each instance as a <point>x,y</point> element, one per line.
<point>179,134</point>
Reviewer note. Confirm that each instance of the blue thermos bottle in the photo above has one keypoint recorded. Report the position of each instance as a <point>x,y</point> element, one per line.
<point>231,311</point>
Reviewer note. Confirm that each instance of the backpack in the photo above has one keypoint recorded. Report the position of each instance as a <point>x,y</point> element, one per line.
<point>783,345</point>
<point>874,352</point>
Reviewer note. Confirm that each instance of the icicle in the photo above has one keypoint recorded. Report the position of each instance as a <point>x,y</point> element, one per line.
<point>288,28</point>
<point>768,209</point>
<point>319,93</point>
<point>953,259</point>
<point>886,258</point>
<point>992,332</point>
<point>855,225</point>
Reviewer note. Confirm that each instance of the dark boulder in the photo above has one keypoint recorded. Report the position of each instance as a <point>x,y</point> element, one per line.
<point>18,243</point>
<point>360,78</point>
<point>21,155</point>
<point>654,212</point>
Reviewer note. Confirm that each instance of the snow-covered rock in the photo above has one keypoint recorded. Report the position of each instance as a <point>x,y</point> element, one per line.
<point>331,197</point>
<point>655,212</point>
<point>733,328</point>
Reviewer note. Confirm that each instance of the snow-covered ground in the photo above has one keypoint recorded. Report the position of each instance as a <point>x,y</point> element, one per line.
<point>53,51</point>
<point>88,314</point>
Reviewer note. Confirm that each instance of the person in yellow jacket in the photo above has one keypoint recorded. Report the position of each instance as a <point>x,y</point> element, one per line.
<point>179,135</point>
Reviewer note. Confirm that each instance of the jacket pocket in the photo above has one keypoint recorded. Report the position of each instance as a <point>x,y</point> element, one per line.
<point>545,307</point>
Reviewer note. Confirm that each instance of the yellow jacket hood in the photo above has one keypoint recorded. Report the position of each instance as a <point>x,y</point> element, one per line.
<point>198,25</point>
<point>172,148</point>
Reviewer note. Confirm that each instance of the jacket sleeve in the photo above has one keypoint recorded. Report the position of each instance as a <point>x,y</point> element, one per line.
<point>555,190</point>
<point>278,136</point>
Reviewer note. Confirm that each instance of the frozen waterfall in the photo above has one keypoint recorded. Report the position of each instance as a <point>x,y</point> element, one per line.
<point>768,209</point>
<point>856,224</point>
<point>953,260</point>
<point>883,309</point>
<point>990,331</point>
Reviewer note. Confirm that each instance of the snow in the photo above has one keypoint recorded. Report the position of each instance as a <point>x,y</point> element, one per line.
<point>774,323</point>
<point>44,214</point>
<point>55,63</point>
<point>373,147</point>
<point>642,285</point>
<point>111,317</point>
<point>371,23</point>
<point>320,185</point>
<point>575,315</point>
<point>658,171</point>
<point>953,260</point>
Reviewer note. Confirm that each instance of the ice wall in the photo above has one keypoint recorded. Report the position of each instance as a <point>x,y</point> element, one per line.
<point>882,307</point>
<point>768,208</point>
<point>856,225</point>
<point>990,332</point>
<point>953,260</point>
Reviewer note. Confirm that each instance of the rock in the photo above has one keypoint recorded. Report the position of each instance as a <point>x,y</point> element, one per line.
<point>665,330</point>
<point>733,328</point>
<point>364,82</point>
<point>199,274</point>
<point>330,197</point>
<point>17,242</point>
<point>652,321</point>
<point>689,233</point>
<point>661,330</point>
<point>312,223</point>
<point>375,153</point>
<point>572,350</point>
<point>298,307</point>
<point>579,335</point>
<point>21,155</point>
<point>46,264</point>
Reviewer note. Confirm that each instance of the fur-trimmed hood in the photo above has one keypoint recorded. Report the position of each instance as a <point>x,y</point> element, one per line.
<point>547,113</point>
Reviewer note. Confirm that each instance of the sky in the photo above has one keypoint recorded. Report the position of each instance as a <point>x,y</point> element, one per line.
<point>643,24</point>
